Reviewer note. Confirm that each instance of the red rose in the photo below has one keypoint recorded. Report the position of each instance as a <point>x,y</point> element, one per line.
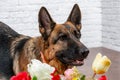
<point>55,76</point>
<point>103,78</point>
<point>21,76</point>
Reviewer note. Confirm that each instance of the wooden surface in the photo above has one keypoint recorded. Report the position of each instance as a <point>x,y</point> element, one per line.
<point>114,70</point>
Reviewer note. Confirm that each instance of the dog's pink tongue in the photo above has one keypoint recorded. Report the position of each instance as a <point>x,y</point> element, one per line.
<point>79,62</point>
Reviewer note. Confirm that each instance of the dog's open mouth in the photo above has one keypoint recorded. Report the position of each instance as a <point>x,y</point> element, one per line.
<point>72,62</point>
<point>70,58</point>
<point>77,62</point>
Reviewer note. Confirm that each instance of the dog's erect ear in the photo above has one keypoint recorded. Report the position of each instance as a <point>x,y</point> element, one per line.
<point>75,15</point>
<point>46,24</point>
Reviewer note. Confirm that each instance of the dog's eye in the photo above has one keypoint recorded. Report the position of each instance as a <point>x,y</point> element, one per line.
<point>77,34</point>
<point>63,37</point>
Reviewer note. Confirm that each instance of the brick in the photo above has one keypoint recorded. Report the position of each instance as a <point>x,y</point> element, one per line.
<point>4,15</point>
<point>110,24</point>
<point>111,4</point>
<point>4,3</point>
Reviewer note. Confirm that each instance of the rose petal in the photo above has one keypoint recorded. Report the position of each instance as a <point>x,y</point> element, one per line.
<point>103,78</point>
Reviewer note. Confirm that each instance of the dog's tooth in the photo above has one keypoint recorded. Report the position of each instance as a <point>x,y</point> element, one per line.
<point>78,61</point>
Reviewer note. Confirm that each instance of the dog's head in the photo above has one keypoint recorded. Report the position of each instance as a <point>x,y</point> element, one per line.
<point>63,40</point>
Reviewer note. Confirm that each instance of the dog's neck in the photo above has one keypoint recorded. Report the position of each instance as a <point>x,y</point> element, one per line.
<point>41,44</point>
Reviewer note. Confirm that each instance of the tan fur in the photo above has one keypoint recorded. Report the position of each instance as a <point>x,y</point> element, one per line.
<point>34,46</point>
<point>50,31</point>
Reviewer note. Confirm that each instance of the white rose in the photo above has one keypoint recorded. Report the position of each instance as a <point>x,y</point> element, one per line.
<point>40,70</point>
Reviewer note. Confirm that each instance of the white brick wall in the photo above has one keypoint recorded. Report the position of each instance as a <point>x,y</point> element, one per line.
<point>111,24</point>
<point>100,18</point>
<point>21,15</point>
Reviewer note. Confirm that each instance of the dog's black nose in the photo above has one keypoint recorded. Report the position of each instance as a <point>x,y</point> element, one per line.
<point>84,52</point>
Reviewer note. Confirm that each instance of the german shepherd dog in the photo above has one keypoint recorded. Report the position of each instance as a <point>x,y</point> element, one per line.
<point>59,43</point>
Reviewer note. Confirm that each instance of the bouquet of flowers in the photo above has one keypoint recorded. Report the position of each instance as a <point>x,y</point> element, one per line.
<point>42,71</point>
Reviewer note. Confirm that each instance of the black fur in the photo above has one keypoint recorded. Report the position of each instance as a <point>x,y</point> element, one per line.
<point>6,61</point>
<point>7,35</point>
<point>19,46</point>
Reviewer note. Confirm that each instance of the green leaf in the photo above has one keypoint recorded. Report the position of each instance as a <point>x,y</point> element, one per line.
<point>34,78</point>
<point>83,77</point>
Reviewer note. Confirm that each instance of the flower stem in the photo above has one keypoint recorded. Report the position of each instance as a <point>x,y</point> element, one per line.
<point>94,75</point>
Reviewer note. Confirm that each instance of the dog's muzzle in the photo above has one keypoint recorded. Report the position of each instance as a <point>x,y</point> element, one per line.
<point>74,57</point>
